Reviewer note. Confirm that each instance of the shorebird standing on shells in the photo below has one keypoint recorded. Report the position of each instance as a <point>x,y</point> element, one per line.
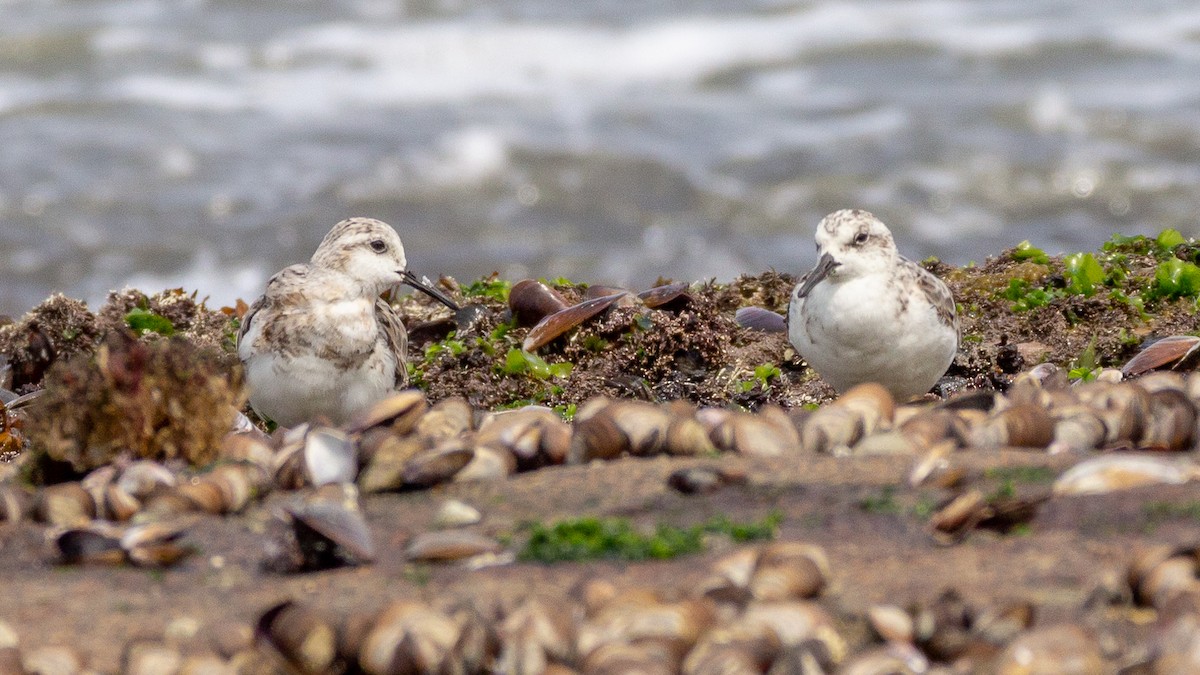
<point>321,342</point>
<point>867,314</point>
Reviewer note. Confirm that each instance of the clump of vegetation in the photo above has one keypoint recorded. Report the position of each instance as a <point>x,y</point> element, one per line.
<point>1120,269</point>
<point>163,399</point>
<point>615,538</point>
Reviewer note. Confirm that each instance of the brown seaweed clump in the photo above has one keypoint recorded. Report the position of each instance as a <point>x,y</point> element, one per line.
<point>59,327</point>
<point>188,317</point>
<point>163,399</point>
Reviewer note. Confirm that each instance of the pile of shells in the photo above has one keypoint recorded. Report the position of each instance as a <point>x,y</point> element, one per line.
<point>761,610</point>
<point>404,443</point>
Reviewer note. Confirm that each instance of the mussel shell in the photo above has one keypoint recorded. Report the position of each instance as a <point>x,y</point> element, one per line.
<point>329,457</point>
<point>555,325</point>
<point>1169,351</point>
<point>87,545</point>
<point>531,301</point>
<point>401,411</point>
<point>332,517</point>
<point>667,296</point>
<point>759,318</point>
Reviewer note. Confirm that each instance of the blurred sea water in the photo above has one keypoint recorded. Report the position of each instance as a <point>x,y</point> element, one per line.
<point>208,143</point>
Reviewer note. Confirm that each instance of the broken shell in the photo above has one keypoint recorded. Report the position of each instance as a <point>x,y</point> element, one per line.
<point>143,478</point>
<point>82,546</point>
<point>643,424</point>
<point>1078,428</point>
<point>767,434</point>
<point>119,504</point>
<point>16,503</point>
<point>65,505</point>
<point>934,466</point>
<point>596,436</point>
<point>1166,580</point>
<point>884,443</point>
<point>305,639</point>
<point>52,659</point>
<point>1024,426</point>
<point>150,658</point>
<point>704,479</point>
<point>1063,649</point>
<point>960,515</point>
<point>329,457</point>
<point>385,470</point>
<point>674,625</point>
<point>795,622</point>
<point>154,544</point>
<point>204,494</point>
<point>449,545</point>
<point>447,419</point>
<point>407,637</point>
<point>1171,423</point>
<point>437,465</point>
<point>488,464</point>
<point>555,325</point>
<point>330,528</point>
<point>1123,407</point>
<point>531,301</point>
<point>872,403</point>
<point>832,429</point>
<point>674,295</point>
<point>932,426</point>
<point>455,513</point>
<point>789,571</point>
<point>685,435</point>
<point>400,411</point>
<point>534,435</point>
<point>250,447</point>
<point>1170,351</point>
<point>1121,471</point>
<point>239,484</point>
<point>891,623</point>
<point>535,633</point>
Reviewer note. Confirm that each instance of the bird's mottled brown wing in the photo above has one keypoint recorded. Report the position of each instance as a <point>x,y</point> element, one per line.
<point>939,296</point>
<point>397,339</point>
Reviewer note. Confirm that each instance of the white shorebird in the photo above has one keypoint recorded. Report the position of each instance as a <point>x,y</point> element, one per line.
<point>867,314</point>
<point>320,342</point>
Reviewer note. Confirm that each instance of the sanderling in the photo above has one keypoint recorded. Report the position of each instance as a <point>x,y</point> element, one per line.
<point>867,314</point>
<point>320,342</point>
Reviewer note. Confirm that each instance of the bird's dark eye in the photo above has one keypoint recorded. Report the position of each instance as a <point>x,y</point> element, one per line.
<point>379,246</point>
<point>860,238</point>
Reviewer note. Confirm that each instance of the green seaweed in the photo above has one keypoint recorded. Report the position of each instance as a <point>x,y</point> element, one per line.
<point>144,321</point>
<point>592,538</point>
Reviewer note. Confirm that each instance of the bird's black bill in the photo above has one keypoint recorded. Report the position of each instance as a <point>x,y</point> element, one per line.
<point>412,280</point>
<point>824,266</point>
